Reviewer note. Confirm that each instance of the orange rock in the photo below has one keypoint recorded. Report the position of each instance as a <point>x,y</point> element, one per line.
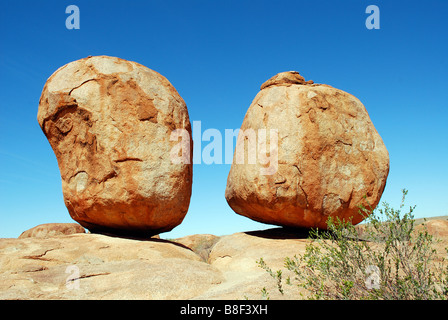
<point>52,229</point>
<point>436,227</point>
<point>109,123</point>
<point>329,156</point>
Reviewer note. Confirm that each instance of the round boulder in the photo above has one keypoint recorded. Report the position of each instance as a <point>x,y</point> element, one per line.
<point>326,157</point>
<point>110,124</point>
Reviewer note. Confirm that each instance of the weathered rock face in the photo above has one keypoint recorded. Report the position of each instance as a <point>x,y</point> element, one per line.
<point>201,244</point>
<point>109,122</point>
<point>103,268</point>
<point>52,229</point>
<point>329,156</point>
<point>437,227</point>
<point>94,266</point>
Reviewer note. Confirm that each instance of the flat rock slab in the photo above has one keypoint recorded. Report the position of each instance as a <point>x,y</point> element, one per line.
<point>93,266</point>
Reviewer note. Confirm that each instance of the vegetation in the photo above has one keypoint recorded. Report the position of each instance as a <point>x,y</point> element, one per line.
<point>389,259</point>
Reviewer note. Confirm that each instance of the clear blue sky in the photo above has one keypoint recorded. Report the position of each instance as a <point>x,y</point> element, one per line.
<point>217,54</point>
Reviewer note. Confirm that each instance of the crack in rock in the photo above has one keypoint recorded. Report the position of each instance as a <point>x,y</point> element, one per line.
<point>70,92</point>
<point>127,159</point>
<point>89,276</point>
<point>39,256</point>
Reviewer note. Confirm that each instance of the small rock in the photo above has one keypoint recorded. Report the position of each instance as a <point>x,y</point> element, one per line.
<point>52,229</point>
<point>201,244</point>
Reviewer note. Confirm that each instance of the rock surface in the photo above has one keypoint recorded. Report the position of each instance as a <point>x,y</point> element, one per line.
<point>52,229</point>
<point>437,226</point>
<point>329,156</point>
<point>201,244</point>
<point>94,266</point>
<point>236,257</point>
<point>109,122</point>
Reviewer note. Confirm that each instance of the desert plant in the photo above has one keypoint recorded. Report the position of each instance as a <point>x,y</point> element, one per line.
<point>389,259</point>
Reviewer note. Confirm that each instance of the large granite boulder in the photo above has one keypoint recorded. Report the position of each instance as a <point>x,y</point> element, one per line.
<point>110,124</point>
<point>329,154</point>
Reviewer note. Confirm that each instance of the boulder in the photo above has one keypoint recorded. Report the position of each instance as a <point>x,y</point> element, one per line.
<point>329,156</point>
<point>201,244</point>
<point>52,229</point>
<point>437,227</point>
<point>110,124</point>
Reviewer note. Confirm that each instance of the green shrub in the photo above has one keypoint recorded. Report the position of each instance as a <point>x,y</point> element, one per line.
<point>389,260</point>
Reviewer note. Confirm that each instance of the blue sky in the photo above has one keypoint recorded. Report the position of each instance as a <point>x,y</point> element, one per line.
<point>217,54</point>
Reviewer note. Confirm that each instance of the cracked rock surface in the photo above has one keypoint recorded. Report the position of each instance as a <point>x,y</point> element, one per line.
<point>95,266</point>
<point>329,156</point>
<point>200,266</point>
<point>109,122</point>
